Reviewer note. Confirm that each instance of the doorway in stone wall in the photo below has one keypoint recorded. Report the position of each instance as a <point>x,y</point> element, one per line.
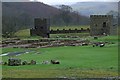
<point>104,28</point>
<point>104,24</point>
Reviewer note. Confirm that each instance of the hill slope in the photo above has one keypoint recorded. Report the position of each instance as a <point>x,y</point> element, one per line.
<point>32,8</point>
<point>20,15</point>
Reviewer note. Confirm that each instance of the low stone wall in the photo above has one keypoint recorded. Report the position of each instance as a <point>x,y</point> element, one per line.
<point>69,31</point>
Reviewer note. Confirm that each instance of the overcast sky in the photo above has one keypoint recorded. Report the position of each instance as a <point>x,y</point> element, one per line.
<point>55,2</point>
<point>52,2</point>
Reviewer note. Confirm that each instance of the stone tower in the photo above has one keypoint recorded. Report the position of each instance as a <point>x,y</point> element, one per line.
<point>101,24</point>
<point>41,27</point>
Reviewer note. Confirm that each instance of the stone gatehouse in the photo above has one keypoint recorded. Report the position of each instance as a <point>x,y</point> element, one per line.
<point>102,24</point>
<point>41,27</point>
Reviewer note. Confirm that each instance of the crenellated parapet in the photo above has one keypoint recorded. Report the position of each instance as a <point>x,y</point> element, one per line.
<point>69,31</point>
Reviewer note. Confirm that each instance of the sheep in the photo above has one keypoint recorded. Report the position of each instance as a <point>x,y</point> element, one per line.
<point>33,62</point>
<point>24,63</point>
<point>102,45</point>
<point>55,62</point>
<point>45,62</point>
<point>99,44</point>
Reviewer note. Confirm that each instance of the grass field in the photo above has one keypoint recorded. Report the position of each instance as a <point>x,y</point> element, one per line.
<point>79,61</point>
<point>75,61</point>
<point>69,34</point>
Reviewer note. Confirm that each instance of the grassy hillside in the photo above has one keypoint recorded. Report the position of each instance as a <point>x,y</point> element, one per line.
<point>23,33</point>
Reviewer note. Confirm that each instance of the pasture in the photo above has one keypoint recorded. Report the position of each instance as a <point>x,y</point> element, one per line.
<point>75,61</point>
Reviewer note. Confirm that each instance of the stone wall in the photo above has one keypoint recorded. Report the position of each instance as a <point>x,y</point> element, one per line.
<point>99,25</point>
<point>69,31</point>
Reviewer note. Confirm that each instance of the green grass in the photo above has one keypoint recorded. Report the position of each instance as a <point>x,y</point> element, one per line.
<point>69,34</point>
<point>55,73</point>
<point>6,50</point>
<point>106,38</point>
<point>91,61</point>
<point>76,61</point>
<point>75,56</point>
<point>23,33</point>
